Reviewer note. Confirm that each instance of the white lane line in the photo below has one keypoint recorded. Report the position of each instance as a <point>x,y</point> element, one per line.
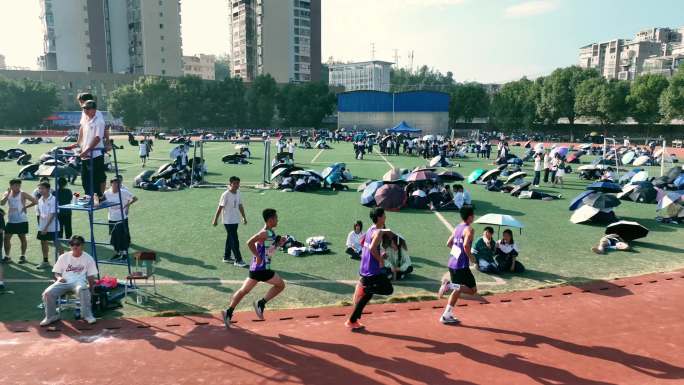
<point>386,161</point>
<point>446,223</point>
<point>317,155</point>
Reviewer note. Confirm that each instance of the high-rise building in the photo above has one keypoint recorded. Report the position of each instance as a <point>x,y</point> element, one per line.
<point>277,37</point>
<point>651,51</point>
<point>371,75</point>
<point>120,36</point>
<point>2,62</point>
<point>201,65</point>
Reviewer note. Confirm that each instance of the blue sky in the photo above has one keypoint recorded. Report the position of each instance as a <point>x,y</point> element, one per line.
<point>480,40</point>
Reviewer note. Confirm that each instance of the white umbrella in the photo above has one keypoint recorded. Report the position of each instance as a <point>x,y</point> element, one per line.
<point>516,175</point>
<point>641,176</point>
<point>583,214</point>
<point>500,220</point>
<point>640,161</point>
<point>429,138</point>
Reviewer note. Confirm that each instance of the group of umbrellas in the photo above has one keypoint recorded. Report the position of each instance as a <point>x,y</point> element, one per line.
<point>514,182</point>
<point>596,204</point>
<point>332,175</point>
<point>390,193</point>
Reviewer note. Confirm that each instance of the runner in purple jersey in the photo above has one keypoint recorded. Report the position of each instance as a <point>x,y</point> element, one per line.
<point>263,246</point>
<point>373,280</point>
<point>462,279</point>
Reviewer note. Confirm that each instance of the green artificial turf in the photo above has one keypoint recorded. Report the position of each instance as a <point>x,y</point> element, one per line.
<point>177,224</point>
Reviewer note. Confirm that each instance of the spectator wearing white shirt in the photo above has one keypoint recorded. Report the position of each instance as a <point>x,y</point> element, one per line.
<point>354,241</point>
<point>75,271</point>
<point>142,147</point>
<point>230,205</point>
<point>547,166</point>
<point>117,215</point>
<point>291,148</point>
<point>461,197</point>
<point>538,167</point>
<point>507,254</point>
<point>47,221</point>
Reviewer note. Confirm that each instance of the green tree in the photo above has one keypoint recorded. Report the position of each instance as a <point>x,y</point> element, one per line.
<point>468,101</point>
<point>424,78</point>
<point>227,106</point>
<point>305,105</point>
<point>672,100</point>
<point>222,68</point>
<point>559,93</point>
<point>644,97</point>
<point>603,100</point>
<point>261,101</point>
<point>513,107</point>
<point>25,103</point>
<point>160,101</point>
<point>191,96</point>
<point>126,102</point>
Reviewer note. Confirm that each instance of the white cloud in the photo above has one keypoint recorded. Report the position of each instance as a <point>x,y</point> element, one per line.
<point>531,8</point>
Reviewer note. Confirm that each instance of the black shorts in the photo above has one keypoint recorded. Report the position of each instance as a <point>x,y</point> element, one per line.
<point>49,236</point>
<point>20,228</point>
<point>463,277</point>
<point>261,275</point>
<point>98,169</point>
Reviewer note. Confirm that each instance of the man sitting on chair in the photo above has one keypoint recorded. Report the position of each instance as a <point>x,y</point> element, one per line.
<point>75,271</point>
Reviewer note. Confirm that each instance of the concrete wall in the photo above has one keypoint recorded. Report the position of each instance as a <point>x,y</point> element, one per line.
<point>278,39</point>
<point>161,46</point>
<point>316,40</point>
<point>96,33</point>
<point>430,122</point>
<point>118,35</point>
<point>71,41</point>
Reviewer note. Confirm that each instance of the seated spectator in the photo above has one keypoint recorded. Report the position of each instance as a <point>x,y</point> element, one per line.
<point>484,251</point>
<point>354,241</point>
<point>434,196</point>
<point>75,271</point>
<point>507,253</point>
<point>608,175</point>
<point>461,197</point>
<point>397,259</point>
<point>610,242</point>
<point>447,196</point>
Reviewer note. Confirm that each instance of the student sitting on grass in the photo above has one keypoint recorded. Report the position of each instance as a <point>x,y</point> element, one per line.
<point>485,252</point>
<point>397,259</point>
<point>354,241</point>
<point>507,253</point>
<point>462,197</point>
<point>610,242</point>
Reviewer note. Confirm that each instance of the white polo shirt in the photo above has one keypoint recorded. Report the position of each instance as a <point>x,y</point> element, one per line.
<point>92,128</point>
<point>45,208</point>
<point>231,207</point>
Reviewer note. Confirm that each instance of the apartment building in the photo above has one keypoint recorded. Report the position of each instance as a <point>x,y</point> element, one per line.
<point>370,75</point>
<point>200,65</point>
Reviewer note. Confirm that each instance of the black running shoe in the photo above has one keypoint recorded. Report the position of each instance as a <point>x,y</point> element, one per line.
<point>22,259</point>
<point>227,316</point>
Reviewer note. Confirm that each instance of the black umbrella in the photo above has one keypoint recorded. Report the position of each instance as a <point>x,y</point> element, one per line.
<point>519,188</point>
<point>450,176</point>
<point>628,231</point>
<point>602,201</point>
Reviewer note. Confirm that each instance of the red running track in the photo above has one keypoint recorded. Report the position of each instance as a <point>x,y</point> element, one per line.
<point>628,331</point>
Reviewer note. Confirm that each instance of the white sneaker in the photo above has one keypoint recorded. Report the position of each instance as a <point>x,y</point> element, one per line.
<point>47,321</point>
<point>90,320</point>
<point>443,288</point>
<point>448,320</point>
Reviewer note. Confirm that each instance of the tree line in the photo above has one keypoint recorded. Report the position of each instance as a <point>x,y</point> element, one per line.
<point>568,93</point>
<point>25,103</point>
<point>190,102</point>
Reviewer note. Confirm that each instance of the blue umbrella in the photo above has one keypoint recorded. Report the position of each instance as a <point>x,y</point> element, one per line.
<point>368,195</point>
<point>679,182</point>
<point>577,202</point>
<point>606,187</point>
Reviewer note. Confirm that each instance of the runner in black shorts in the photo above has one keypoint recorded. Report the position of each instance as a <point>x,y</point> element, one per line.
<point>263,246</point>
<point>462,279</point>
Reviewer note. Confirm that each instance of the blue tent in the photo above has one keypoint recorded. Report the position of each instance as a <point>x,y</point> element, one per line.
<point>404,128</point>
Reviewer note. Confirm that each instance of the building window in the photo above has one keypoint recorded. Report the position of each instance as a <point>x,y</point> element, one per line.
<point>163,72</point>
<point>163,60</point>
<point>162,37</point>
<point>161,26</point>
<point>162,49</point>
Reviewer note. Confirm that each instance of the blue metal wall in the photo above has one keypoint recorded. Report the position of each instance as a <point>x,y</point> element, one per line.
<point>376,101</point>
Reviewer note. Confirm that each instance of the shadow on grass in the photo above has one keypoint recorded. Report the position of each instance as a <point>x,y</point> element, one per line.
<point>484,207</point>
<point>600,287</point>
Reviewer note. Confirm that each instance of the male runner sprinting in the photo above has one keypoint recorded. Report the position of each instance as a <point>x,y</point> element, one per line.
<point>462,279</point>
<point>263,246</point>
<point>373,280</point>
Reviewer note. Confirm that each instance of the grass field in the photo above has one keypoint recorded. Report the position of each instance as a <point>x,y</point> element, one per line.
<point>177,225</point>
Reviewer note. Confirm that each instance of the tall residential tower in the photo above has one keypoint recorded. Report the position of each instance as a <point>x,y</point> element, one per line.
<point>277,37</point>
<point>119,36</point>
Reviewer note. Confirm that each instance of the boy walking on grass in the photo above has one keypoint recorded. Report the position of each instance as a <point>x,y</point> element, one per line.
<point>462,279</point>
<point>263,246</point>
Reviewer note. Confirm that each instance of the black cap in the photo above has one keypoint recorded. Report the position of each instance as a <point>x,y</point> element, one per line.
<point>89,105</point>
